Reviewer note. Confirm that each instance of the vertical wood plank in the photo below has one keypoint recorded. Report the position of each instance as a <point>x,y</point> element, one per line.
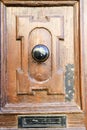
<point>0,55</point>
<point>85,46</point>
<point>83,38</point>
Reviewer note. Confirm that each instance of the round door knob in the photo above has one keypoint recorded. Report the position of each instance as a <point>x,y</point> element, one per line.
<point>40,53</point>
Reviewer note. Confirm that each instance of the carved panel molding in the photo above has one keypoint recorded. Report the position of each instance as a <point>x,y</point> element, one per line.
<point>39,2</point>
<point>32,76</point>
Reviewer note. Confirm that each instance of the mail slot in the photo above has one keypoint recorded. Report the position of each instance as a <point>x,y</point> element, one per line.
<point>42,121</point>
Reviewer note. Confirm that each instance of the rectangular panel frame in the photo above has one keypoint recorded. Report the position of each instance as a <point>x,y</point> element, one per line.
<point>65,107</point>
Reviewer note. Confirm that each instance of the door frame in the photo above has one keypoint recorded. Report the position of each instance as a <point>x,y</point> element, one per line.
<point>83,40</point>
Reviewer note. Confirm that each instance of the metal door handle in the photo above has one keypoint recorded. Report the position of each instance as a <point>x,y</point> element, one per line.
<point>40,53</point>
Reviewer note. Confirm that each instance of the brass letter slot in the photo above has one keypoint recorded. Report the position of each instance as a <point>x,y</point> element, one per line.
<point>41,121</point>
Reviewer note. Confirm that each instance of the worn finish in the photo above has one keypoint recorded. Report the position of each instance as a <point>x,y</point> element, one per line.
<point>69,82</point>
<point>83,20</point>
<point>39,2</point>
<point>39,89</point>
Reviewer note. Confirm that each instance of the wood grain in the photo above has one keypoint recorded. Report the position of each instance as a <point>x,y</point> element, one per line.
<point>68,36</point>
<point>23,30</point>
<point>11,121</point>
<point>83,26</point>
<point>0,54</point>
<point>39,2</point>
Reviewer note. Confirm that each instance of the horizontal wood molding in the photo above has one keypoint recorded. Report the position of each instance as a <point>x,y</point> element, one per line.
<point>47,128</point>
<point>39,2</point>
<point>74,121</point>
<point>51,129</point>
<point>42,108</point>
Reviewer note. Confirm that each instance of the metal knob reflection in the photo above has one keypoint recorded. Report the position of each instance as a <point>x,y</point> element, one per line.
<point>40,53</point>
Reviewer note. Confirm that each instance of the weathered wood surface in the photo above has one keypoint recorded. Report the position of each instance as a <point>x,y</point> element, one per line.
<point>14,97</point>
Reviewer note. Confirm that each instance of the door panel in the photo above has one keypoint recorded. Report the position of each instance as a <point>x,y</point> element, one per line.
<point>32,79</point>
<point>28,80</point>
<point>51,87</point>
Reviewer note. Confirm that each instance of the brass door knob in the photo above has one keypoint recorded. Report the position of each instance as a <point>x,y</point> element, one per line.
<point>40,53</point>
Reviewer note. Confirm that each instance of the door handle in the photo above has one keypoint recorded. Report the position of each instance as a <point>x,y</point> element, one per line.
<point>40,53</point>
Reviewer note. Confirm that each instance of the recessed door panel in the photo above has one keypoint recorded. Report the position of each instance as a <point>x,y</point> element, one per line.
<point>30,80</point>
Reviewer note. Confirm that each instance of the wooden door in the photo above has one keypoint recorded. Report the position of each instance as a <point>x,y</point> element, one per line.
<point>44,90</point>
